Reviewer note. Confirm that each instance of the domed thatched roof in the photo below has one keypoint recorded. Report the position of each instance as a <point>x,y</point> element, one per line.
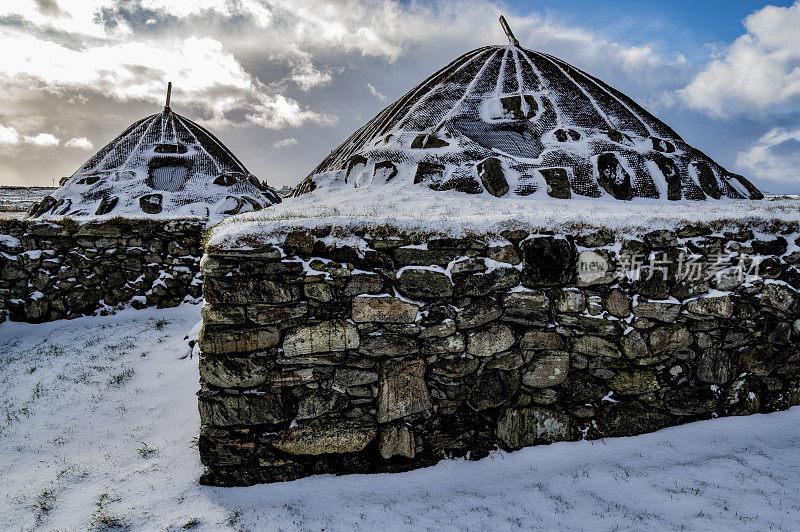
<point>164,163</point>
<point>511,121</point>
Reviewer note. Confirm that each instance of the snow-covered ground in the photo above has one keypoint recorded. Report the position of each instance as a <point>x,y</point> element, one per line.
<point>15,202</point>
<point>417,208</point>
<point>98,421</point>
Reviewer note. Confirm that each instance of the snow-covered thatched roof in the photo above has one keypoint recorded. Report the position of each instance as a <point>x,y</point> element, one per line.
<point>163,165</point>
<point>514,122</point>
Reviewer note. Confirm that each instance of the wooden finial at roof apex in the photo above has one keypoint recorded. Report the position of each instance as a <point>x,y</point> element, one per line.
<point>510,34</point>
<point>169,94</point>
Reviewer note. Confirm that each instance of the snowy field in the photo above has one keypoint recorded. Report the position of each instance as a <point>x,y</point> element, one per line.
<point>16,201</point>
<point>98,427</point>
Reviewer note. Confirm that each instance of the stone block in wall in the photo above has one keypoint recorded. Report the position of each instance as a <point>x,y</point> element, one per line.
<point>223,314</point>
<point>634,382</point>
<point>213,341</point>
<point>720,306</point>
<point>634,346</point>
<point>363,284</point>
<point>492,389</point>
<point>781,296</point>
<point>318,291</point>
<point>328,336</point>
<point>383,310</point>
<point>631,420</point>
<point>424,257</point>
<point>455,368</point>
<point>456,244</point>
<point>224,410</point>
<point>449,344</point>
<point>12,270</point>
<point>534,340</point>
<point>570,300</point>
<point>666,311</point>
<point>546,370</point>
<point>265,264</point>
<point>222,447</point>
<point>661,239</point>
<point>531,305</point>
<point>479,312</point>
<point>396,439</point>
<point>36,309</point>
<point>418,283</point>
<point>669,338</point>
<point>235,372</point>
<point>547,261</point>
<point>508,361</point>
<point>489,340</point>
<point>482,284</point>
<point>716,366</point>
<point>596,239</point>
<point>402,390</point>
<point>319,402</point>
<point>766,360</point>
<point>326,436</point>
<point>652,284</point>
<point>468,265</point>
<point>348,377</point>
<point>387,345</point>
<point>300,242</point>
<point>507,254</point>
<point>522,427</point>
<point>283,315</point>
<point>245,291</point>
<point>596,346</point>
<point>594,325</point>
<point>694,401</point>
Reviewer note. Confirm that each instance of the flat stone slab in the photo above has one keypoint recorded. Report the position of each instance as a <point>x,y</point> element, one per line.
<point>402,390</point>
<point>326,436</point>
<point>383,310</point>
<point>325,337</point>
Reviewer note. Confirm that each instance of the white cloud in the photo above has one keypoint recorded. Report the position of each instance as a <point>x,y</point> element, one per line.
<point>81,143</point>
<point>71,16</point>
<point>285,143</point>
<point>758,71</point>
<point>280,112</point>
<point>43,140</point>
<point>183,9</point>
<point>204,73</point>
<point>378,94</point>
<point>775,156</point>
<point>9,136</point>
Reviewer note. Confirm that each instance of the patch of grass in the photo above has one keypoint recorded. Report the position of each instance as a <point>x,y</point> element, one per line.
<point>145,450</point>
<point>102,520</point>
<point>120,379</point>
<point>38,390</point>
<point>191,523</point>
<point>44,503</point>
<point>160,324</point>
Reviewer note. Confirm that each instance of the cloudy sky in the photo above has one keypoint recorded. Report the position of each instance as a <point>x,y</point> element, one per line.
<point>283,82</point>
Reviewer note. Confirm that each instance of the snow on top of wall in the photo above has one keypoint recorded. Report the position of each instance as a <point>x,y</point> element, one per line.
<point>417,209</point>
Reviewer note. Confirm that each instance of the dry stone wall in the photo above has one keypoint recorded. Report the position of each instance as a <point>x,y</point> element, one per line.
<point>321,357</point>
<point>51,270</point>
